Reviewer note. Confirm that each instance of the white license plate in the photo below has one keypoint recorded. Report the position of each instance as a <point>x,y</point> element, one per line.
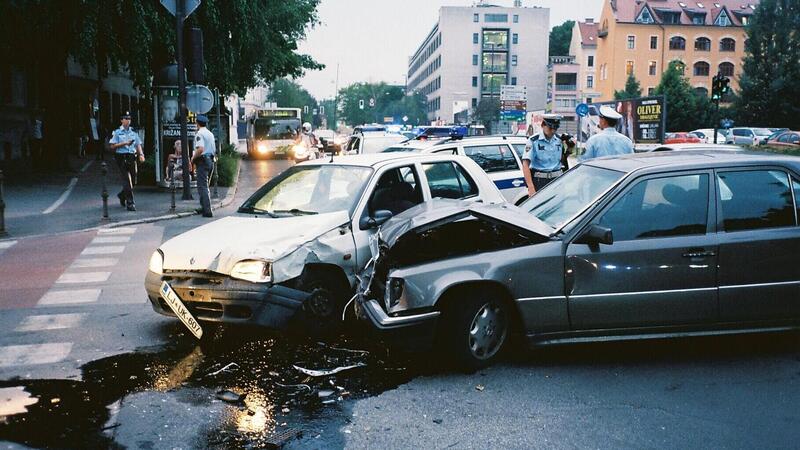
<point>180,310</point>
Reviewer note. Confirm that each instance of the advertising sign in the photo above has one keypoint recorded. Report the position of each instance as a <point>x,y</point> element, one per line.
<point>169,128</point>
<point>643,119</point>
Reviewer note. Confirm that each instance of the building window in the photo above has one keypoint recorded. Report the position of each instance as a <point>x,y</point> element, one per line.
<point>589,81</point>
<point>699,19</point>
<point>474,60</point>
<point>513,60</point>
<point>701,69</point>
<point>513,81</point>
<point>495,40</point>
<point>631,42</point>
<point>701,91</point>
<point>628,67</point>
<point>474,102</point>
<point>745,20</point>
<point>490,84</point>
<point>702,44</point>
<point>590,61</point>
<point>589,100</point>
<point>727,45</point>
<point>653,42</point>
<point>722,19</point>
<point>475,38</point>
<point>476,18</point>
<point>515,38</point>
<point>475,81</point>
<point>651,69</point>
<point>495,18</point>
<point>726,69</point>
<point>677,43</point>
<point>516,18</point>
<point>651,91</point>
<point>495,62</point>
<point>671,17</point>
<point>645,16</point>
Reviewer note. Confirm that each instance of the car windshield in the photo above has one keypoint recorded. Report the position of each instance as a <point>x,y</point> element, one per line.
<point>567,195</point>
<point>398,149</point>
<point>762,131</point>
<point>377,144</point>
<point>303,190</point>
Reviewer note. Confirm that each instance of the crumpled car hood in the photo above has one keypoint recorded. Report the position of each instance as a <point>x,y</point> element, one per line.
<point>219,245</point>
<point>438,212</point>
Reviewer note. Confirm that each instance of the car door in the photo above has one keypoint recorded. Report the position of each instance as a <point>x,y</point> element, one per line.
<point>447,179</point>
<point>660,269</point>
<point>759,240</point>
<point>503,168</point>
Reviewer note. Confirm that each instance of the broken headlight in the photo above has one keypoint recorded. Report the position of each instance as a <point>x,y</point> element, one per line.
<point>255,271</point>
<point>394,291</point>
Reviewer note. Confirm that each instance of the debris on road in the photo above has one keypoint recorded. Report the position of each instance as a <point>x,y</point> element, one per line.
<point>228,367</point>
<point>230,396</point>
<point>326,372</point>
<point>278,440</point>
<point>480,387</point>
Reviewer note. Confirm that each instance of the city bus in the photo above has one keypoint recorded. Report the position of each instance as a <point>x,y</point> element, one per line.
<point>271,132</point>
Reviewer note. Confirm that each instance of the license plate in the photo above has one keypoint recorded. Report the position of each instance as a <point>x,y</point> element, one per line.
<point>180,310</point>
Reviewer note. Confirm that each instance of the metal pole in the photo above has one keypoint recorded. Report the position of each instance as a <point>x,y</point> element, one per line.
<point>104,193</point>
<point>336,98</point>
<point>179,15</point>
<point>172,186</point>
<point>2,208</point>
<point>215,176</point>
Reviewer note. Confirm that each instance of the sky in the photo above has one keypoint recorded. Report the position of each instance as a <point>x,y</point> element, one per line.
<point>371,40</point>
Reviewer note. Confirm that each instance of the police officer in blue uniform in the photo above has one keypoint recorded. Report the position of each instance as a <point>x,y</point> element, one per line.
<point>545,153</point>
<point>608,141</point>
<point>127,148</point>
<point>203,159</point>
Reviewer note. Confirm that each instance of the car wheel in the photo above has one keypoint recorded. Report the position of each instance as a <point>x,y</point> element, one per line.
<point>323,309</point>
<point>476,330</point>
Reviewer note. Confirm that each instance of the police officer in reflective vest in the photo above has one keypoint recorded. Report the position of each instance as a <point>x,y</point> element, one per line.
<point>544,153</point>
<point>127,147</point>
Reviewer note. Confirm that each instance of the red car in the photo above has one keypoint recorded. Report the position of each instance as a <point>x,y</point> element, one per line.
<point>787,139</point>
<point>682,138</point>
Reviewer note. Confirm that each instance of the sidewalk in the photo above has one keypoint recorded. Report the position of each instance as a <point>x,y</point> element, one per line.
<point>57,203</point>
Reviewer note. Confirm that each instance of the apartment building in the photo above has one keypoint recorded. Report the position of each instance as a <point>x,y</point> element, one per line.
<point>473,50</point>
<point>562,90</point>
<point>643,36</point>
<point>583,47</point>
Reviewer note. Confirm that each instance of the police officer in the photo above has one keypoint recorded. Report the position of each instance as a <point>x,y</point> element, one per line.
<point>608,141</point>
<point>203,159</point>
<point>544,153</point>
<point>127,146</point>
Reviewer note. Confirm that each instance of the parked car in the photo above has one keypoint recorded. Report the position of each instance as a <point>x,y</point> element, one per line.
<point>696,147</point>
<point>682,138</point>
<point>747,136</point>
<point>300,240</point>
<point>789,139</point>
<point>371,142</point>
<point>327,140</point>
<point>707,135</point>
<point>499,156</point>
<point>643,246</point>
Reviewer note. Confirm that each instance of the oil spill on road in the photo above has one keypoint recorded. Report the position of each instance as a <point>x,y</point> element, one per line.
<point>249,375</point>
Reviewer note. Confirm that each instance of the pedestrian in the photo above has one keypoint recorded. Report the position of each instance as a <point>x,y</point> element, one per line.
<point>203,161</point>
<point>608,141</point>
<point>127,146</point>
<point>544,153</point>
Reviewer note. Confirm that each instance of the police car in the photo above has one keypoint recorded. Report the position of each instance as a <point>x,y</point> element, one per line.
<point>499,156</point>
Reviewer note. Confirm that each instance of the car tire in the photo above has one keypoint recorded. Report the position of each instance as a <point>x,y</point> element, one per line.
<point>322,311</point>
<point>476,329</point>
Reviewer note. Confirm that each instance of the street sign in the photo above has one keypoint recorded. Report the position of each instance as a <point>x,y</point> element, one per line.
<point>513,92</point>
<point>188,5</point>
<point>199,99</point>
<point>372,103</point>
<point>517,116</point>
<point>582,110</point>
<point>513,105</point>
<point>361,104</point>
<point>305,109</point>
<point>314,112</point>
<point>405,118</point>
<point>322,109</point>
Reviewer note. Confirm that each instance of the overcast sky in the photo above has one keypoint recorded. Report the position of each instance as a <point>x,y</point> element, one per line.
<point>371,40</point>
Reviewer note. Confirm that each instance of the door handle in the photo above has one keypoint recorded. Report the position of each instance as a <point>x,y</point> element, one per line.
<point>698,253</point>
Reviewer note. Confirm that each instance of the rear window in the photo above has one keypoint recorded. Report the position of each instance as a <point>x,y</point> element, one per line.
<point>755,199</point>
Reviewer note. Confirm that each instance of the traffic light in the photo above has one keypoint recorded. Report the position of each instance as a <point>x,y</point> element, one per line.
<point>716,87</point>
<point>724,88</point>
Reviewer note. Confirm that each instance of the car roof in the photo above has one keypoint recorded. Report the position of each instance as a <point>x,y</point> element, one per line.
<point>375,160</point>
<point>697,146</point>
<point>690,159</point>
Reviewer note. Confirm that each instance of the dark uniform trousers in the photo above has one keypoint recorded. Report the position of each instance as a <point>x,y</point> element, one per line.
<point>205,169</point>
<point>126,162</point>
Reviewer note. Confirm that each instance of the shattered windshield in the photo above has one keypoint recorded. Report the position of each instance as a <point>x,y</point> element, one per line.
<point>570,193</point>
<point>308,190</point>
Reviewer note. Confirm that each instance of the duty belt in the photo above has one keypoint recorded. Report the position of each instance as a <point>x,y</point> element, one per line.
<point>552,174</point>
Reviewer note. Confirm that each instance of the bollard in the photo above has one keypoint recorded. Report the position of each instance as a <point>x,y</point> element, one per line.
<point>172,186</point>
<point>105,191</point>
<point>215,179</point>
<point>2,208</point>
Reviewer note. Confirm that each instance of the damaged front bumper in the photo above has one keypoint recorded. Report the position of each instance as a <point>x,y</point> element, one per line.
<point>215,297</point>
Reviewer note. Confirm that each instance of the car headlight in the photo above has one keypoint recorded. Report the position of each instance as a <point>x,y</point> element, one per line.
<point>300,150</point>
<point>394,292</point>
<point>262,148</point>
<point>252,270</point>
<point>156,264</point>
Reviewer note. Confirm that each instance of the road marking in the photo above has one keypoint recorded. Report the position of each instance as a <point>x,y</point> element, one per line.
<point>6,244</point>
<point>86,166</point>
<point>69,297</point>
<point>26,355</point>
<point>91,263</point>
<point>111,239</point>
<point>120,230</point>
<point>63,197</point>
<point>49,322</point>
<point>108,250</point>
<point>83,277</point>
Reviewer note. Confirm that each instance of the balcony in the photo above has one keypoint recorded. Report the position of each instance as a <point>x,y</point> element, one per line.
<point>566,87</point>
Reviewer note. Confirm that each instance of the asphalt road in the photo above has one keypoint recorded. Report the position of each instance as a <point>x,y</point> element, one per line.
<point>102,370</point>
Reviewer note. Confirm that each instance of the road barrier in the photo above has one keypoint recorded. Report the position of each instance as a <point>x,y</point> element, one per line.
<point>104,194</point>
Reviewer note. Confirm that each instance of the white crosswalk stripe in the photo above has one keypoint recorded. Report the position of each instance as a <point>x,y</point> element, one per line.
<point>26,355</point>
<point>121,230</point>
<point>83,277</point>
<point>69,297</point>
<point>6,244</point>
<point>105,250</point>
<point>49,322</point>
<point>93,263</point>
<point>111,240</point>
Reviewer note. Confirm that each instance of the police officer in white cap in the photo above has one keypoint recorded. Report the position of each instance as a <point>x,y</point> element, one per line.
<point>608,141</point>
<point>544,154</point>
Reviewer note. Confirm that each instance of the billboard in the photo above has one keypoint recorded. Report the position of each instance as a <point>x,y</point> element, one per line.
<point>169,130</point>
<point>643,119</point>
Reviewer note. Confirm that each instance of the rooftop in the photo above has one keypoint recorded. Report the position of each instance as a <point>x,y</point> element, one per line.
<point>684,12</point>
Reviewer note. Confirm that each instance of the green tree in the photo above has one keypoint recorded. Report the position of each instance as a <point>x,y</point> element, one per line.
<point>632,89</point>
<point>769,86</point>
<point>680,98</point>
<point>560,37</point>
<point>487,112</point>
<point>362,103</point>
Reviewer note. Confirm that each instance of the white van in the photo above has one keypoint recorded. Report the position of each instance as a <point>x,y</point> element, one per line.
<point>371,142</point>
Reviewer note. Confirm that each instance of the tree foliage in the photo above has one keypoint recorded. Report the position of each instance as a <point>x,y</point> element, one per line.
<point>632,89</point>
<point>487,112</point>
<point>686,110</point>
<point>560,37</point>
<point>388,101</point>
<point>768,86</point>
<point>288,94</point>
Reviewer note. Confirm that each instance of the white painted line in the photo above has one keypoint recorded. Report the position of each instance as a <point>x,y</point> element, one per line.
<point>63,197</point>
<point>109,250</point>
<point>69,297</point>
<point>6,244</point>
<point>86,166</point>
<point>120,230</point>
<point>49,322</point>
<point>111,239</point>
<point>26,355</point>
<point>91,263</point>
<point>83,277</point>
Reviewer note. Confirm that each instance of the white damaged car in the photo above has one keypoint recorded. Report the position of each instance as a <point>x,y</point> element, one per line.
<point>298,242</point>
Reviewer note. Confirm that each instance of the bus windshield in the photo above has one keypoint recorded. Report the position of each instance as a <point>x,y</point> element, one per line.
<point>272,128</point>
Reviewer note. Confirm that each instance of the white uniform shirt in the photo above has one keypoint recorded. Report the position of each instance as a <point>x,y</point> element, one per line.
<point>205,138</point>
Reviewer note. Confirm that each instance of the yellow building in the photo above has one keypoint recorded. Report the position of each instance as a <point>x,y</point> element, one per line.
<point>643,36</point>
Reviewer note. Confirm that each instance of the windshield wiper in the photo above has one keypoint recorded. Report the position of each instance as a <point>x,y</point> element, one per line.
<point>296,212</point>
<point>253,209</point>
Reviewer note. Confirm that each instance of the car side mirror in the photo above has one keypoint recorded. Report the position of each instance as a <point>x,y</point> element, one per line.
<point>597,234</point>
<point>377,219</point>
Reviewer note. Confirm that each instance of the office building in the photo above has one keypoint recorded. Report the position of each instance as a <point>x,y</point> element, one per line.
<point>583,47</point>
